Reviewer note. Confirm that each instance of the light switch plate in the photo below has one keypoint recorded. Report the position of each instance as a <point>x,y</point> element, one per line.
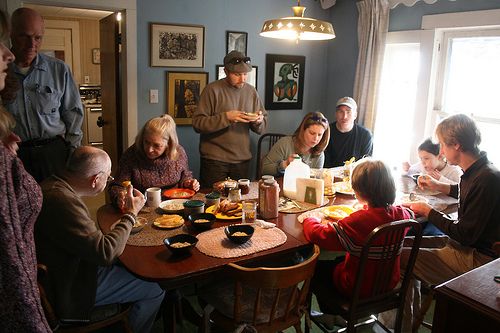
<point>153,96</point>
<point>86,78</point>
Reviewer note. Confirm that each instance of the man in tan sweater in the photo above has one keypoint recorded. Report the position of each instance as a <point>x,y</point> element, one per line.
<point>229,108</point>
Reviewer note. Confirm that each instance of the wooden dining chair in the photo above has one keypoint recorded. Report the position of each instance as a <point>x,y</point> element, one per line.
<point>268,299</point>
<point>266,141</point>
<point>102,316</point>
<point>386,241</point>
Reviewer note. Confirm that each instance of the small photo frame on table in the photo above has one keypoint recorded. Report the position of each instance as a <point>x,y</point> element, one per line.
<point>284,81</point>
<point>176,45</point>
<point>236,40</point>
<point>251,78</point>
<point>183,91</point>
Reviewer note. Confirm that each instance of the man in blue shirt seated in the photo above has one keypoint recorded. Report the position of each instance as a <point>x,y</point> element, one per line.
<point>347,139</point>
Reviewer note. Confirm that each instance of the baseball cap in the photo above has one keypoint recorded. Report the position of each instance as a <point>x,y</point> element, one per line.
<point>347,101</point>
<point>237,62</point>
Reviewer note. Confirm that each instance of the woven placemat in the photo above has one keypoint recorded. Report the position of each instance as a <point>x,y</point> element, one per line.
<point>214,242</point>
<point>151,235</point>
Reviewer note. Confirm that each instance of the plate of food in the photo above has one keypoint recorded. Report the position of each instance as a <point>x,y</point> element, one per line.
<point>178,193</point>
<point>226,210</point>
<point>168,221</point>
<point>338,212</point>
<point>173,206</point>
<point>139,224</point>
<point>343,188</point>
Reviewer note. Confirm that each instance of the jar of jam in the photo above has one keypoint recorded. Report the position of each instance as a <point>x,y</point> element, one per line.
<point>244,185</point>
<point>193,207</point>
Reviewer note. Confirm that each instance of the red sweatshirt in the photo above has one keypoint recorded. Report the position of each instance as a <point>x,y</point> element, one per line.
<point>356,227</point>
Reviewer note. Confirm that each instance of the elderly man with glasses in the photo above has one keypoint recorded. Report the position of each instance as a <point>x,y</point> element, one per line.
<point>81,260</point>
<point>228,109</point>
<point>347,138</point>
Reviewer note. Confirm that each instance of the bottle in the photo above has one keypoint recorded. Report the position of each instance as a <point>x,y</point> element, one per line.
<point>125,186</point>
<point>270,199</point>
<point>296,169</point>
<point>261,190</point>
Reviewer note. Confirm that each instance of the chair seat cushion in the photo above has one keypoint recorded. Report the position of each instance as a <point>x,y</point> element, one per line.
<point>222,298</point>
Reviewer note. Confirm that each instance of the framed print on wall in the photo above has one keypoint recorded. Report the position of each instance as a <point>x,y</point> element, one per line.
<point>175,45</point>
<point>183,91</point>
<point>251,78</point>
<point>236,40</point>
<point>284,81</point>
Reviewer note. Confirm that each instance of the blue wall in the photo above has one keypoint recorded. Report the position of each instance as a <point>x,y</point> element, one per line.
<point>330,65</point>
<point>218,16</point>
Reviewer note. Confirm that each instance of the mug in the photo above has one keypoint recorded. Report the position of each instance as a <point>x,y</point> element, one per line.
<point>153,197</point>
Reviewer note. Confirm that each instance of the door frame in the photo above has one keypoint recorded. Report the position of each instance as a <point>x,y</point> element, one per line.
<point>129,47</point>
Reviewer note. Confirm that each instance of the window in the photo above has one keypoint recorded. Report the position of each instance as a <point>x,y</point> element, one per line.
<point>450,66</point>
<point>470,80</point>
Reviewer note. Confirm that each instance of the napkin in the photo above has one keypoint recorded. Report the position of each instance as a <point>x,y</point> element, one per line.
<point>264,225</point>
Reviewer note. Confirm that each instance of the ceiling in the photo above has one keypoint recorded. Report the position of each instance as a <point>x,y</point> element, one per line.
<point>69,12</point>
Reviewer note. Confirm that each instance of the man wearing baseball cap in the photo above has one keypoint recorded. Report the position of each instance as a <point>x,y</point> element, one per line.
<point>347,139</point>
<point>228,109</point>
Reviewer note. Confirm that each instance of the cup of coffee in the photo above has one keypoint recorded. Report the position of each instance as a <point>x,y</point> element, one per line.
<point>153,197</point>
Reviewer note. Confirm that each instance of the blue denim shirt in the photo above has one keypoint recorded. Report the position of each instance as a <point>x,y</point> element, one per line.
<point>52,104</point>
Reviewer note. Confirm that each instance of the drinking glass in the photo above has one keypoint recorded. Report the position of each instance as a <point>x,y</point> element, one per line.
<point>249,209</point>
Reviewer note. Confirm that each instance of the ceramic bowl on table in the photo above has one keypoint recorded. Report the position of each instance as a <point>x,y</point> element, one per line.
<point>180,244</point>
<point>201,221</point>
<point>239,233</point>
<point>173,206</point>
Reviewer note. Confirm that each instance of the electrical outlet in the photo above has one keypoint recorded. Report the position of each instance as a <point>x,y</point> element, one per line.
<point>153,96</point>
<point>86,78</point>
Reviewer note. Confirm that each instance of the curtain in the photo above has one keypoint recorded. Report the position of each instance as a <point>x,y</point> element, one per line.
<point>373,24</point>
<point>409,3</point>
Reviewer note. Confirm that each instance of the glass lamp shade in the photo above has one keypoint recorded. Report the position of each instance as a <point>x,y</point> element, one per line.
<point>298,27</point>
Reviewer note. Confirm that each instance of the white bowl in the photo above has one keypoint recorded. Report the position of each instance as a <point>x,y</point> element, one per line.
<point>173,206</point>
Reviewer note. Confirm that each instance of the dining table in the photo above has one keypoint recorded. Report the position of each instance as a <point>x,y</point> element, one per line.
<point>154,262</point>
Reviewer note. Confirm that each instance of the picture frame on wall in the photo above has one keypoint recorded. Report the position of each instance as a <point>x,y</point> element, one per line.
<point>183,91</point>
<point>251,78</point>
<point>284,81</point>
<point>236,40</point>
<point>177,45</point>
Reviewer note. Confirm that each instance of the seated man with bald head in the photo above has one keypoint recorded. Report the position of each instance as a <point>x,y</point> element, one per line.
<point>81,260</point>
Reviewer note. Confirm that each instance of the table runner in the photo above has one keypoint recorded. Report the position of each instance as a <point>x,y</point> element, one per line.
<point>215,243</point>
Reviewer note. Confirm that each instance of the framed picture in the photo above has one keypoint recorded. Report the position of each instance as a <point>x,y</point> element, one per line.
<point>96,56</point>
<point>183,91</point>
<point>175,45</point>
<point>284,81</point>
<point>236,40</point>
<point>251,78</point>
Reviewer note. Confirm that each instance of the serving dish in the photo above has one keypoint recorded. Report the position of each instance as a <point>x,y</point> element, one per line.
<point>178,193</point>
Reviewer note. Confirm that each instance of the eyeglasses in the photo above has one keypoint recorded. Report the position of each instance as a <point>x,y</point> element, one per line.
<point>319,119</point>
<point>236,61</point>
<point>109,179</point>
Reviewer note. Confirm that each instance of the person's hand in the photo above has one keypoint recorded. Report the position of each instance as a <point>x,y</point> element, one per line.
<point>434,174</point>
<point>134,201</point>
<point>426,182</point>
<point>287,162</point>
<point>235,116</point>
<point>10,142</point>
<point>419,208</point>
<point>192,184</point>
<point>405,166</point>
<point>259,119</point>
